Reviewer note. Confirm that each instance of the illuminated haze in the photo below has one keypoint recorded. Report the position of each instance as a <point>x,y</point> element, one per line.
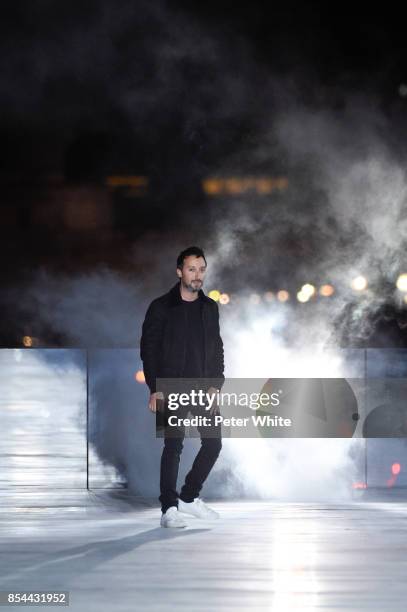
<point>341,216</point>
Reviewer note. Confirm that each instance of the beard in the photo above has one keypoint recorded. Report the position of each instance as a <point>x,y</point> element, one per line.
<point>194,286</point>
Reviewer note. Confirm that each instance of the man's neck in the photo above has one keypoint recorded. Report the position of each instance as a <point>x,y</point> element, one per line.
<point>188,296</point>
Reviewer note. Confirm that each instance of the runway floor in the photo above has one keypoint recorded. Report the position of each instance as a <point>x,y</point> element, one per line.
<point>258,556</point>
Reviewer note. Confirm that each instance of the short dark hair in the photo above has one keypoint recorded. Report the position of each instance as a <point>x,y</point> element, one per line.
<point>192,250</point>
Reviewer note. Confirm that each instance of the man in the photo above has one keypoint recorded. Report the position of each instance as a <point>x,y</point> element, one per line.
<point>181,339</point>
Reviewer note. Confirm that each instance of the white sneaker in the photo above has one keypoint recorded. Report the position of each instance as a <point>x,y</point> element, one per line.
<point>172,518</point>
<point>197,508</point>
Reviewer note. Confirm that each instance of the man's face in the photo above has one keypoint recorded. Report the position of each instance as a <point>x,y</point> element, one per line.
<point>192,273</point>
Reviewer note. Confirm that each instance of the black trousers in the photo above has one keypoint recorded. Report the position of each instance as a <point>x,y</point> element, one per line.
<point>211,444</point>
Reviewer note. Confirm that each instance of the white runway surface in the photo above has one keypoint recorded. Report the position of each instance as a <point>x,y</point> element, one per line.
<point>258,556</point>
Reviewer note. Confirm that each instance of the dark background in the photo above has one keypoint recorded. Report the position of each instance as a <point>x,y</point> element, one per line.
<point>174,93</point>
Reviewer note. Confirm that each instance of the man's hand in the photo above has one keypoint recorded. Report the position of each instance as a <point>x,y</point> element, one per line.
<point>214,408</point>
<point>152,404</point>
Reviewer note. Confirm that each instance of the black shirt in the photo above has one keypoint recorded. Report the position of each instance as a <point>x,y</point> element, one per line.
<point>194,366</point>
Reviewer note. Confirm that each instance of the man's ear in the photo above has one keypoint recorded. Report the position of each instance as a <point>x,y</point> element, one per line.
<point>179,273</point>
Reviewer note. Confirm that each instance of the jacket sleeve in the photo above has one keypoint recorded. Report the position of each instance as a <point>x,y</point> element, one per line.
<point>219,353</point>
<point>150,343</point>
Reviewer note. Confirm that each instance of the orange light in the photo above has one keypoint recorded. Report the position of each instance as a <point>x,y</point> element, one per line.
<point>139,376</point>
<point>126,181</point>
<point>131,186</point>
<point>212,186</point>
<point>27,341</point>
<point>326,290</point>
<point>283,295</point>
<point>264,185</point>
<point>233,185</point>
<point>281,183</point>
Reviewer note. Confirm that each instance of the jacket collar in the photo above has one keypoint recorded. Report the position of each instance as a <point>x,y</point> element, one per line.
<point>175,295</point>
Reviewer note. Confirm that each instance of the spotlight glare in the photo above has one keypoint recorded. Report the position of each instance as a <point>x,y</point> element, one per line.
<point>302,297</point>
<point>224,298</point>
<point>359,283</point>
<point>308,290</point>
<point>402,282</point>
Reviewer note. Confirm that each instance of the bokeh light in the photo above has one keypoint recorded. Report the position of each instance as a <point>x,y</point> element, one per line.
<point>395,468</point>
<point>139,376</point>
<point>359,283</point>
<point>302,297</point>
<point>214,295</point>
<point>308,290</point>
<point>402,282</point>
<point>326,290</point>
<point>283,295</point>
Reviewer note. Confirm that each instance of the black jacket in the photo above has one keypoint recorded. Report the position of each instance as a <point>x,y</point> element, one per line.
<point>163,340</point>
